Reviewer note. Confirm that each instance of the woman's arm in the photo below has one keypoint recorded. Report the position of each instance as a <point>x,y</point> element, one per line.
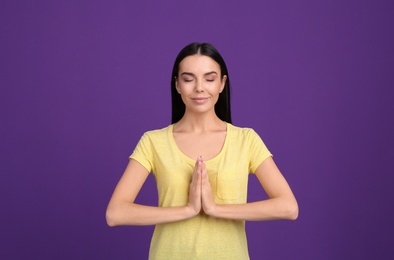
<point>280,205</point>
<point>122,210</point>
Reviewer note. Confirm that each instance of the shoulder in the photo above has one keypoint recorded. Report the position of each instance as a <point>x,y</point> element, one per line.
<point>248,137</point>
<point>158,131</point>
<point>244,134</point>
<point>241,131</point>
<point>156,134</point>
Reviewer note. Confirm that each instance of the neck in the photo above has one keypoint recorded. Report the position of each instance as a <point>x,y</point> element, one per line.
<point>200,123</point>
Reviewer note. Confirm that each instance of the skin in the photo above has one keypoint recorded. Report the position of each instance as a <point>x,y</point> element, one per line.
<point>200,134</point>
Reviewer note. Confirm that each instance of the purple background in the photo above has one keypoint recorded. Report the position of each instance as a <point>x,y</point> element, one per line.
<point>82,80</point>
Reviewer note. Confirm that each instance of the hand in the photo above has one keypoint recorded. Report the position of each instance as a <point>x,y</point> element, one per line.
<point>195,188</point>
<point>208,203</point>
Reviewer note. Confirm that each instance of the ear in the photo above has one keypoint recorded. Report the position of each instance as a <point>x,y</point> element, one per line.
<point>223,83</point>
<point>176,85</point>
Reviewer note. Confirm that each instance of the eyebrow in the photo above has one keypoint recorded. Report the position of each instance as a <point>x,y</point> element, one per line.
<point>205,74</point>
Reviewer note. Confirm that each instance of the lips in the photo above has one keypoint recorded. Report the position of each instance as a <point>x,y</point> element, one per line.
<point>200,99</point>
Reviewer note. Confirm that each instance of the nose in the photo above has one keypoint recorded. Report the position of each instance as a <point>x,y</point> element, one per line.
<point>199,86</point>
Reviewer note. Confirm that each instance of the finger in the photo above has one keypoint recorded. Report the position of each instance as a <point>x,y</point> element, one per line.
<point>196,171</point>
<point>199,165</point>
<point>204,169</point>
<point>196,166</point>
<point>196,177</point>
<point>204,176</point>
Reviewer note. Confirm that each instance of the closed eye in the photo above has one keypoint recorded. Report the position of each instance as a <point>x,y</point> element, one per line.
<point>187,79</point>
<point>211,77</point>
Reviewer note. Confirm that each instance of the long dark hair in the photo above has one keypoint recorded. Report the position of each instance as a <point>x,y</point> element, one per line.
<point>222,106</point>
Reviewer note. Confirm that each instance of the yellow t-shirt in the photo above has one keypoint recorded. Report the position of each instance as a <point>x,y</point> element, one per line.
<point>201,237</point>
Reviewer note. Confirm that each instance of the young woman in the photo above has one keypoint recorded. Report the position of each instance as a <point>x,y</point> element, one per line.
<point>201,164</point>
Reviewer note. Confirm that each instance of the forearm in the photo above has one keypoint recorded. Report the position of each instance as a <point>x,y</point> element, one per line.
<point>136,214</point>
<point>271,209</point>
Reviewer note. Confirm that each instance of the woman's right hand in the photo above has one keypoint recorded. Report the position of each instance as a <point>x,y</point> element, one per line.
<point>195,188</point>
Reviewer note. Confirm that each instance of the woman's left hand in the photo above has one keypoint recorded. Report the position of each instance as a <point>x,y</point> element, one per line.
<point>208,203</point>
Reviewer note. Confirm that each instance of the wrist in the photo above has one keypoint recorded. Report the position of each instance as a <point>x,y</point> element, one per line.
<point>190,211</point>
<point>212,210</point>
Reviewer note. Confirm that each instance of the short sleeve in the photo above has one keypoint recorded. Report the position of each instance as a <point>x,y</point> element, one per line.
<point>143,152</point>
<point>258,151</point>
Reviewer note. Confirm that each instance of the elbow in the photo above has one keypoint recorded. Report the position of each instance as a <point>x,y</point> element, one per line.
<point>292,211</point>
<point>110,217</point>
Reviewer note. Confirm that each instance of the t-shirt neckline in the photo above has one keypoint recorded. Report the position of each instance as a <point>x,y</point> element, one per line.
<point>193,161</point>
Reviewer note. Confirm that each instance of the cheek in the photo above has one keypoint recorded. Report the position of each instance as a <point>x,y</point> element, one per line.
<point>216,88</point>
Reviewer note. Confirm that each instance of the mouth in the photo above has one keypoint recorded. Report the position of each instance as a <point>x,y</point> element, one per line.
<point>200,99</point>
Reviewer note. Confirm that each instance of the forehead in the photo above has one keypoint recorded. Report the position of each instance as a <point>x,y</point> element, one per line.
<point>198,64</point>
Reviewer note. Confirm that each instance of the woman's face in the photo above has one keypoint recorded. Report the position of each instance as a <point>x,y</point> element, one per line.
<point>199,83</point>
